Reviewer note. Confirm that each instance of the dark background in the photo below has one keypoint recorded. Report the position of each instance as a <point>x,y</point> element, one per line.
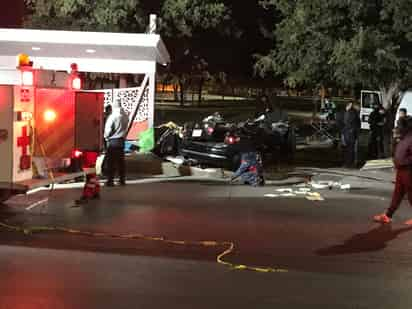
<point>11,13</point>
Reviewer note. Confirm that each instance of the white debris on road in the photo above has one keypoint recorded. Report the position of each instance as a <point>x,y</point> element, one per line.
<point>292,193</point>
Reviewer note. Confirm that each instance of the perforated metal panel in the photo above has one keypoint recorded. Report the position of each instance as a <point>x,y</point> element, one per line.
<point>129,98</point>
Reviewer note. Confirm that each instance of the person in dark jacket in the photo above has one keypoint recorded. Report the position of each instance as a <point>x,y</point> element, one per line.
<point>262,106</point>
<point>377,121</point>
<point>350,135</point>
<point>403,163</point>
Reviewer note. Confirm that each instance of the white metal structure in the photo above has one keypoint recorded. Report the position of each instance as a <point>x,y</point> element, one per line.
<point>99,52</point>
<point>53,53</point>
<point>368,100</point>
<point>406,102</point>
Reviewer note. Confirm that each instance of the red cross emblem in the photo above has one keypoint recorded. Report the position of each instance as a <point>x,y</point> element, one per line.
<point>24,141</point>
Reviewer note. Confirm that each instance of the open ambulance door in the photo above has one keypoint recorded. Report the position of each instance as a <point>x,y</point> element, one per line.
<point>368,100</point>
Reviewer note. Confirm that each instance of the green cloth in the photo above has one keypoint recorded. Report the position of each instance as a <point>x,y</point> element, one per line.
<point>146,141</point>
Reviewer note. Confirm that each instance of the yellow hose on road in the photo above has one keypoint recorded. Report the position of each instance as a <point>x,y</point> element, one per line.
<point>230,246</point>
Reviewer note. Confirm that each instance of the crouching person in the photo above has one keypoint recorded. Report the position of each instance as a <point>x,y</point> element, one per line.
<point>250,169</point>
<point>91,189</point>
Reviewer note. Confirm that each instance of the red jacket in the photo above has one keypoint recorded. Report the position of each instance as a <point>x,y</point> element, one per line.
<point>403,152</point>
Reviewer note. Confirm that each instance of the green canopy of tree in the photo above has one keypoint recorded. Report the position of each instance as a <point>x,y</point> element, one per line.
<point>102,15</point>
<point>345,43</point>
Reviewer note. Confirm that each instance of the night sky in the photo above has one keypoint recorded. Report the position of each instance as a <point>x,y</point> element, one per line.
<point>11,13</point>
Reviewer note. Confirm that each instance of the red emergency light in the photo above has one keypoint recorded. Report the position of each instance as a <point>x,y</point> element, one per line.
<point>77,154</point>
<point>75,80</point>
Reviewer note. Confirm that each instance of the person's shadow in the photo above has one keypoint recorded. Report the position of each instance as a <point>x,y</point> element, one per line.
<point>373,240</point>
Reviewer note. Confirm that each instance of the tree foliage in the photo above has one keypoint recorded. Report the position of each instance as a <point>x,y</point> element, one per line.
<point>102,15</point>
<point>182,19</point>
<point>182,22</point>
<point>348,43</point>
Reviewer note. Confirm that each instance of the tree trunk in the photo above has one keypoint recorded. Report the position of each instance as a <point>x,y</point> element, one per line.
<point>388,93</point>
<point>176,92</point>
<point>200,89</point>
<point>182,94</point>
<point>322,96</point>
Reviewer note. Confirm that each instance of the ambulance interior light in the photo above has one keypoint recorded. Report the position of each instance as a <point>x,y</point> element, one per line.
<point>27,78</point>
<point>77,83</point>
<point>49,115</point>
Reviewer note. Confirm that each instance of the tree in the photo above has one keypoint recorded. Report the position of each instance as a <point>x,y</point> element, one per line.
<point>102,15</point>
<point>87,15</point>
<point>182,23</point>
<point>345,43</point>
<point>221,80</point>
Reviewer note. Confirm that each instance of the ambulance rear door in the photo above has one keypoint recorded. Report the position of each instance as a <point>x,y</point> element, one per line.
<point>89,121</point>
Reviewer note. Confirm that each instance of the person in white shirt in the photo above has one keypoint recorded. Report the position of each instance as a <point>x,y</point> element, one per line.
<point>115,132</point>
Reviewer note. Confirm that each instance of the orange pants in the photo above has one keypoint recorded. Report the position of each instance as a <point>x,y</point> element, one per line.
<point>403,186</point>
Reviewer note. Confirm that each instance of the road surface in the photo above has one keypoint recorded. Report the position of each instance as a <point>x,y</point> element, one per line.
<point>335,256</point>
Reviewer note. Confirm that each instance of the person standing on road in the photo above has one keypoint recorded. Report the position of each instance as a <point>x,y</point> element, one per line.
<point>350,135</point>
<point>115,132</point>
<point>403,164</point>
<point>377,121</point>
<point>262,106</point>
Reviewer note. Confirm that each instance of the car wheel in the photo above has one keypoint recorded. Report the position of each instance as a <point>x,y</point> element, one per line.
<point>5,194</point>
<point>235,162</point>
<point>291,143</point>
<point>288,149</point>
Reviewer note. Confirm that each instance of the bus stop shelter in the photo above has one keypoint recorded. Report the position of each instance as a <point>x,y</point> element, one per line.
<point>96,52</point>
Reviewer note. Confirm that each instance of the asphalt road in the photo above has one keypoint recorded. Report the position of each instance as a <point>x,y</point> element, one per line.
<point>335,256</point>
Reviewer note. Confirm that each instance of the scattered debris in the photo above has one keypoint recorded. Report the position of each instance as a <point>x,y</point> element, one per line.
<point>288,195</point>
<point>271,195</point>
<point>321,185</point>
<point>176,160</point>
<point>314,196</point>
<point>285,190</point>
<point>345,187</point>
<point>301,191</point>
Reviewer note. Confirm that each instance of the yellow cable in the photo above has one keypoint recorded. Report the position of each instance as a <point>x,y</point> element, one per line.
<point>230,246</point>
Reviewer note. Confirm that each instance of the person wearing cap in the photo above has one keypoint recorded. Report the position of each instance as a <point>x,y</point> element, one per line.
<point>350,135</point>
<point>377,121</point>
<point>115,132</point>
